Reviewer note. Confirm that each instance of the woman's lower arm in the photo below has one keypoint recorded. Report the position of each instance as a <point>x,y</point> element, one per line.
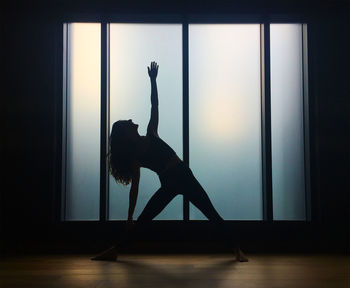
<point>132,203</point>
<point>131,212</point>
<point>154,92</point>
<point>130,215</point>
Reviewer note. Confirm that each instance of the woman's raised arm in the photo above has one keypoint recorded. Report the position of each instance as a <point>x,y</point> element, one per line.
<point>152,127</point>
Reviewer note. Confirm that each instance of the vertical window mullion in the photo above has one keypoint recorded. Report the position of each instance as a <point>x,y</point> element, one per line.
<point>64,121</point>
<point>266,121</point>
<point>185,86</point>
<point>108,61</point>
<point>104,122</point>
<point>306,123</point>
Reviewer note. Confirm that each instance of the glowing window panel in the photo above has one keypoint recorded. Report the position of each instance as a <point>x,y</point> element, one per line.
<point>287,134</point>
<point>225,117</point>
<point>82,191</point>
<point>132,48</point>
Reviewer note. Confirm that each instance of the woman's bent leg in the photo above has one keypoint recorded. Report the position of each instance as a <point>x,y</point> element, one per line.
<point>154,206</point>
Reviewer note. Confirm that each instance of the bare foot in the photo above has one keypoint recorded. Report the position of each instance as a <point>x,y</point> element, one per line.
<point>107,255</point>
<point>240,255</point>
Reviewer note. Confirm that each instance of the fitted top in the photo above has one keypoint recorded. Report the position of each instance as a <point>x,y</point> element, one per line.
<point>157,155</point>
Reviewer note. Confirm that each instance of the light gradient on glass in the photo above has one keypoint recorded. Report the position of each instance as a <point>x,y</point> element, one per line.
<point>225,117</point>
<point>132,48</point>
<point>83,122</point>
<point>287,134</point>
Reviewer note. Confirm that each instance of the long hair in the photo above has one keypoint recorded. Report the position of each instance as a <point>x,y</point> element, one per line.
<point>121,154</point>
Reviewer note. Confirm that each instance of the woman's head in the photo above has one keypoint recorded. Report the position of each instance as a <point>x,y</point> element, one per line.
<point>122,144</point>
<point>125,129</point>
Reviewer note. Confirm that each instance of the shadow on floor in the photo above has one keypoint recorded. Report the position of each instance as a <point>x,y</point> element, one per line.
<point>141,273</point>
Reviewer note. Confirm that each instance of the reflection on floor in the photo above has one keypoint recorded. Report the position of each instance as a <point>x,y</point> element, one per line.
<point>219,270</point>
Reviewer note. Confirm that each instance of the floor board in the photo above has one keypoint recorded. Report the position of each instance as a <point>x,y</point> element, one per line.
<point>219,270</point>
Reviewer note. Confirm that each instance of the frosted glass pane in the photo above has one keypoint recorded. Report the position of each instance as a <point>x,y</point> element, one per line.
<point>83,122</point>
<point>287,122</point>
<point>133,47</point>
<point>225,118</point>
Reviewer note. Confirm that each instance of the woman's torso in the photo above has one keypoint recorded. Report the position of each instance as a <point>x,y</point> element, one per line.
<point>157,155</point>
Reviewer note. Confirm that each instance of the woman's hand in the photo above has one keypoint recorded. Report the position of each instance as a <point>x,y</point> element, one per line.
<point>153,70</point>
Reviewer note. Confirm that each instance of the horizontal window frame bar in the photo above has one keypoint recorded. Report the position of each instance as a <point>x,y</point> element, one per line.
<point>178,18</point>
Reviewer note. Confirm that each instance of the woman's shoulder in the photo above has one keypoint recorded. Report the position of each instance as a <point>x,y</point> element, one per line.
<point>147,142</point>
<point>152,134</point>
<point>150,140</point>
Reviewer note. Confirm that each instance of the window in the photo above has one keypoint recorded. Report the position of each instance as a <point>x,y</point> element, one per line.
<point>216,110</point>
<point>132,48</point>
<point>287,127</point>
<point>225,117</point>
<point>82,129</point>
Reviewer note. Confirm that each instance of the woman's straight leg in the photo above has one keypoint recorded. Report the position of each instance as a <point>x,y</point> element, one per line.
<point>198,197</point>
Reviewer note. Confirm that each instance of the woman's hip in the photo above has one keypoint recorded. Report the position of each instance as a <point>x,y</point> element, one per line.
<point>179,178</point>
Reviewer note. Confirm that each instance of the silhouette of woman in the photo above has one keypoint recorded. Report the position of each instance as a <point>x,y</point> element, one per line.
<point>129,151</point>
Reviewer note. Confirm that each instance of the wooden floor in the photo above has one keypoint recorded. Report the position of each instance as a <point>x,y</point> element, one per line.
<point>182,271</point>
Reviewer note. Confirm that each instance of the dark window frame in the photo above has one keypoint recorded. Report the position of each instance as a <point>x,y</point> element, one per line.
<point>185,20</point>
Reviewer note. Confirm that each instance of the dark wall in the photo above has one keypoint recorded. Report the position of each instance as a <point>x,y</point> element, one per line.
<point>29,58</point>
<point>330,94</point>
<point>30,144</point>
